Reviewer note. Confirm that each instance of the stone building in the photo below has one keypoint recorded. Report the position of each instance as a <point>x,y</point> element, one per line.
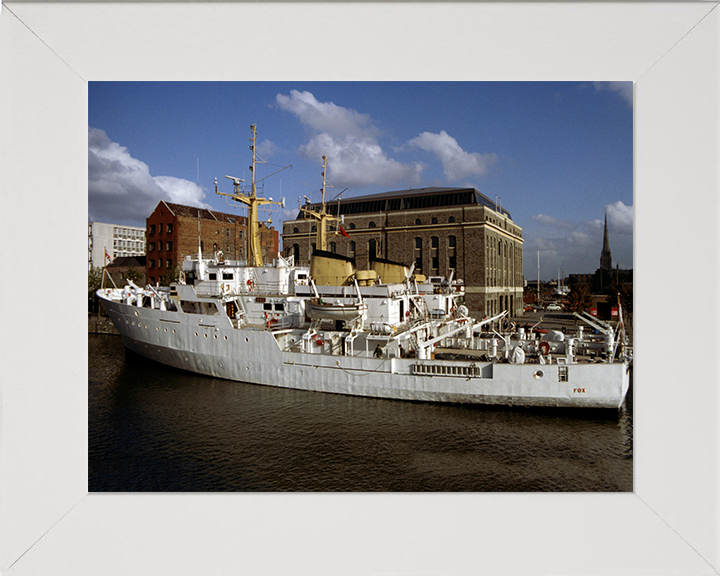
<point>173,231</point>
<point>109,241</point>
<point>443,231</point>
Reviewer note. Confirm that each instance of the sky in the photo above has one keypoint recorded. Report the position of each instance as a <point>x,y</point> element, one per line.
<point>557,155</point>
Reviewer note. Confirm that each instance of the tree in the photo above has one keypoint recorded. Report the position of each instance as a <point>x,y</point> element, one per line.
<point>134,274</point>
<point>94,279</point>
<point>170,276</point>
<point>579,297</point>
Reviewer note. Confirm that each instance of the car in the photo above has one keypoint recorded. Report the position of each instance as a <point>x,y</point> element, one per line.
<point>554,307</point>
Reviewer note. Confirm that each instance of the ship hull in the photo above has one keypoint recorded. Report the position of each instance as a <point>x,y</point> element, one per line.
<point>210,345</point>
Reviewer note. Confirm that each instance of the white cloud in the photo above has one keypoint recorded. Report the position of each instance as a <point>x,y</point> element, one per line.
<point>349,140</point>
<point>326,117</point>
<point>620,218</point>
<point>121,189</point>
<point>623,89</point>
<point>267,148</point>
<point>457,163</point>
<point>553,222</point>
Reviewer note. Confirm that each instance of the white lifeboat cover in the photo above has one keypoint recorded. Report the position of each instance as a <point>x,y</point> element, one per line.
<point>554,336</point>
<point>517,356</point>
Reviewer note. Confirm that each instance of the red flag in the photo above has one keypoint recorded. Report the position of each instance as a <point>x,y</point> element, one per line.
<point>342,231</point>
<point>107,255</point>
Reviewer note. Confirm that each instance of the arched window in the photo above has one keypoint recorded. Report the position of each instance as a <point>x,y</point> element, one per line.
<point>296,230</point>
<point>352,226</point>
<point>434,221</point>
<point>313,229</point>
<point>451,219</point>
<point>371,225</point>
<point>418,222</point>
<point>434,258</point>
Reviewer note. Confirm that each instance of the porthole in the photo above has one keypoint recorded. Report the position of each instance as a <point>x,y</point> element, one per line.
<point>157,328</point>
<point>225,337</point>
<point>215,336</point>
<point>538,374</point>
<point>136,314</point>
<point>173,330</point>
<point>222,365</point>
<point>246,340</point>
<point>205,334</point>
<point>146,326</point>
<point>196,333</point>
<point>166,330</point>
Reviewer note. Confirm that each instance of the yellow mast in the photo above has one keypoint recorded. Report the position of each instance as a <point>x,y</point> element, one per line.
<point>253,203</point>
<point>322,216</point>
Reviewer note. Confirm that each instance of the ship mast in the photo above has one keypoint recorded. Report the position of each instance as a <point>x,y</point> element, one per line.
<point>322,217</point>
<point>253,202</point>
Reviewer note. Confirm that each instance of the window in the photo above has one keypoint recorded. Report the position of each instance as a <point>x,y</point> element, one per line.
<point>152,228</point>
<point>452,259</point>
<point>169,246</point>
<point>227,232</point>
<point>212,276</point>
<point>372,249</point>
<point>333,247</point>
<point>169,263</point>
<point>296,230</point>
<point>418,254</point>
<point>351,251</point>
<point>418,222</point>
<point>227,276</point>
<point>352,226</point>
<point>451,219</point>
<point>313,229</point>
<point>435,260</point>
<point>434,221</point>
<point>152,264</point>
<point>160,226</point>
<point>371,225</point>
<point>159,262</point>
<point>169,228</point>
<point>296,252</point>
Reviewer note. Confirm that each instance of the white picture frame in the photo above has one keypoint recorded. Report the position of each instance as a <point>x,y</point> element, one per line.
<point>670,524</point>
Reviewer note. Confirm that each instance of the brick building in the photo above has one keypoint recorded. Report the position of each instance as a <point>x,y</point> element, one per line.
<point>441,230</point>
<point>173,230</point>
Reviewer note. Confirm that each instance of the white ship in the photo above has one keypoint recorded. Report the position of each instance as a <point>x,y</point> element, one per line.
<point>383,333</point>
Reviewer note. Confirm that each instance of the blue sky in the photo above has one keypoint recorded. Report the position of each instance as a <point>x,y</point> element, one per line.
<point>557,154</point>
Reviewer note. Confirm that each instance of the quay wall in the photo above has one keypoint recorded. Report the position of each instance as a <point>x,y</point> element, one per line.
<point>101,325</point>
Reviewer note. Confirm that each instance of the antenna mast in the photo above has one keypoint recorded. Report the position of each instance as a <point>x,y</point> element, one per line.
<point>322,216</point>
<point>253,203</point>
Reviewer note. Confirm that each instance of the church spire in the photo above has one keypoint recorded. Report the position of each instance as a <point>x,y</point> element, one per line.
<point>605,256</point>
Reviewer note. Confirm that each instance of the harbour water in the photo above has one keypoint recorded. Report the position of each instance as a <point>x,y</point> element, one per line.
<point>157,429</point>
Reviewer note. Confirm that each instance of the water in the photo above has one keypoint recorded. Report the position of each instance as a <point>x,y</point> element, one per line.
<point>153,428</point>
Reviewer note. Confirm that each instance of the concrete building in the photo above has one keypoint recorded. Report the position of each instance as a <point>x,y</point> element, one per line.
<point>173,231</point>
<point>109,241</point>
<point>442,231</point>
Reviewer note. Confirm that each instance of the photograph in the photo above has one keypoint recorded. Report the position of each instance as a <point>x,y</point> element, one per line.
<point>360,286</point>
<point>333,187</point>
